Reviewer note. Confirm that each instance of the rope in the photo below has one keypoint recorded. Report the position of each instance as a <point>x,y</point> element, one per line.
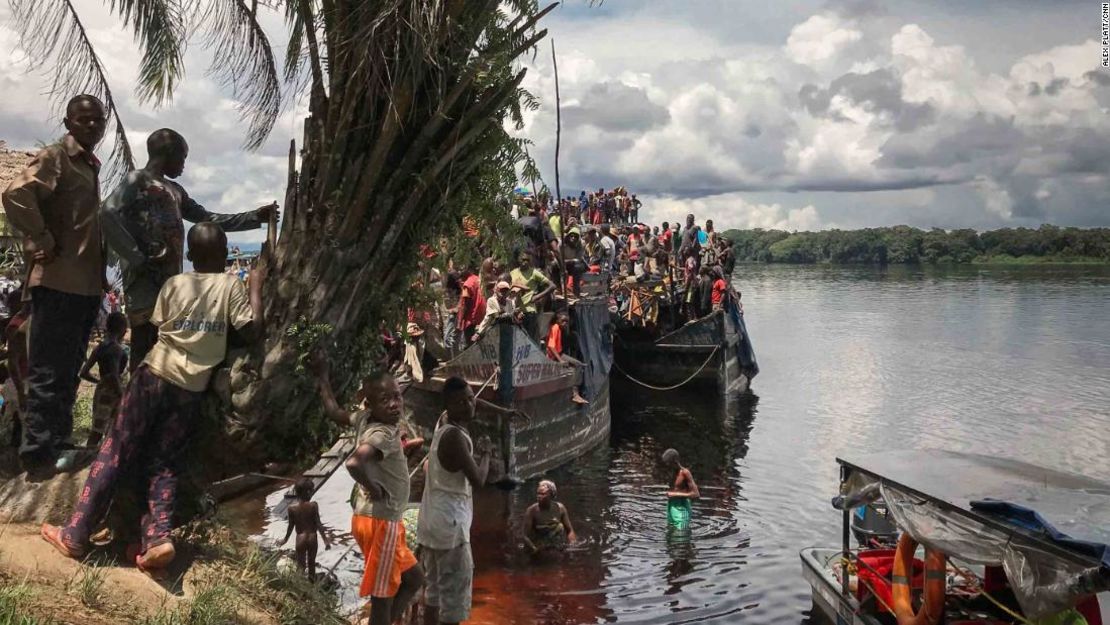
<point>670,388</point>
<point>975,578</point>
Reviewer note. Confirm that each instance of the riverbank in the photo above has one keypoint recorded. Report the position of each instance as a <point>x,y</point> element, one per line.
<point>898,245</point>
<point>219,578</point>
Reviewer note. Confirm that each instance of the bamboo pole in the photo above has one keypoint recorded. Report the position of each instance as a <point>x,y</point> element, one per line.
<point>558,189</point>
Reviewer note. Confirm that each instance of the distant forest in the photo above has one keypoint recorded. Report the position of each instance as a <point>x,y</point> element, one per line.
<point>903,244</point>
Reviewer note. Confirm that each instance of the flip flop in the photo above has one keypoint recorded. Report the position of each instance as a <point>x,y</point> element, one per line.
<point>53,535</point>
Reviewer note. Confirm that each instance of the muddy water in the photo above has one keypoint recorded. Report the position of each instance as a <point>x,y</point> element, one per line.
<point>1014,362</point>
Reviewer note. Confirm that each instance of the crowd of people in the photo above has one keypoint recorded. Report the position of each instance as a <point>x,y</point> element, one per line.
<point>164,331</point>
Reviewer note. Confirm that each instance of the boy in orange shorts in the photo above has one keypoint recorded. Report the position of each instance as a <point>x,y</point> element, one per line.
<point>391,577</point>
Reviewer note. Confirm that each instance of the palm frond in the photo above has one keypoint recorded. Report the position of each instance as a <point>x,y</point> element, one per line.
<point>160,29</point>
<point>294,54</point>
<point>54,38</point>
<point>243,61</point>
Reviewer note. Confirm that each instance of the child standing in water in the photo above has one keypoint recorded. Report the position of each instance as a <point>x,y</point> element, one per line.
<point>304,516</point>
<point>683,490</point>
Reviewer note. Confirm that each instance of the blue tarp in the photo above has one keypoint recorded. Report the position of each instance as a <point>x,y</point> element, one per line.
<point>594,336</point>
<point>744,350</point>
<point>1030,520</point>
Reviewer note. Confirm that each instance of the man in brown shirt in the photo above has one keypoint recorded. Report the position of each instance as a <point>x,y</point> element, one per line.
<point>54,203</point>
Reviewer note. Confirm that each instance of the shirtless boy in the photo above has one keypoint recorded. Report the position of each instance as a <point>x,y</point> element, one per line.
<point>683,490</point>
<point>304,516</point>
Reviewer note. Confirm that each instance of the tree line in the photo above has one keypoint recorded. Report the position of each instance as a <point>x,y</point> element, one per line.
<point>908,245</point>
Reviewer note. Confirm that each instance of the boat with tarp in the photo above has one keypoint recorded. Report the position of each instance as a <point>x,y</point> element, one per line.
<point>656,346</point>
<point>1004,541</point>
<point>509,368</point>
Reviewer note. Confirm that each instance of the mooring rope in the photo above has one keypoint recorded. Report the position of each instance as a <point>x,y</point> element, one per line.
<point>670,388</point>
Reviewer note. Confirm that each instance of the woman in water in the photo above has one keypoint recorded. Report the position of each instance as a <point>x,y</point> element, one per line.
<point>683,490</point>
<point>546,523</point>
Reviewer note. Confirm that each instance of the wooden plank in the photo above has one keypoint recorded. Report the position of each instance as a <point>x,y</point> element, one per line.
<point>324,468</point>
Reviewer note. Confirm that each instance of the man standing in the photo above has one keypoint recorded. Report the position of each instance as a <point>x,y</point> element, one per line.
<point>472,308</point>
<point>535,287</point>
<point>608,249</point>
<point>144,225</point>
<point>447,508</point>
<point>53,203</point>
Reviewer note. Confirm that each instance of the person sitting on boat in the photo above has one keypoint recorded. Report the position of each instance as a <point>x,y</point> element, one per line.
<point>560,326</point>
<point>683,490</point>
<point>720,289</point>
<point>500,305</point>
<point>547,524</point>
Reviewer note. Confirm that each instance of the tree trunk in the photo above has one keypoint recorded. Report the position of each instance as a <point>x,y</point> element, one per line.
<point>407,136</point>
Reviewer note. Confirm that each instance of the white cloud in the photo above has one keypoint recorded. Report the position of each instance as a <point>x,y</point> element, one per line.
<point>674,105</point>
<point>819,38</point>
<point>732,210</point>
<point>997,199</point>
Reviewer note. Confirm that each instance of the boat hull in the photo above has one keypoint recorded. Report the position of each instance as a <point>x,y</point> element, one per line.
<point>556,430</point>
<point>827,595</point>
<point>702,354</point>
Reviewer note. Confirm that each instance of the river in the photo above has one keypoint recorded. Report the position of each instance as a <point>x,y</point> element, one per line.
<point>995,360</point>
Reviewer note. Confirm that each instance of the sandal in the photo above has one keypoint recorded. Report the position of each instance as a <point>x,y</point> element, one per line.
<point>53,535</point>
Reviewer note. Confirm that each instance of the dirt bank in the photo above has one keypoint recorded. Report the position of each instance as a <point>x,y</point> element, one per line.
<point>219,578</point>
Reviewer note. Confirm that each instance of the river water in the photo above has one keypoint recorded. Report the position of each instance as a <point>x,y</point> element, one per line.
<point>1012,362</point>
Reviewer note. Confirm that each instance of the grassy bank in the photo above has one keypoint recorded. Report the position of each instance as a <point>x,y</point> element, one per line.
<point>1006,259</point>
<point>224,580</point>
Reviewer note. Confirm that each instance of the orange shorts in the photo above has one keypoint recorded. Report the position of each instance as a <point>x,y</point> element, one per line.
<point>385,555</point>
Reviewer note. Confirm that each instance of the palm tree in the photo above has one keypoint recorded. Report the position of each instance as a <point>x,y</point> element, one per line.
<point>408,106</point>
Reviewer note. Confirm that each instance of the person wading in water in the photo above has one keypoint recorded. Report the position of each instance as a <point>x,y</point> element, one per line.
<point>304,518</point>
<point>547,524</point>
<point>683,490</point>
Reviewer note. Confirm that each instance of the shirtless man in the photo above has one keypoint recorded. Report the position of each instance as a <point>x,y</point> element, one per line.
<point>683,490</point>
<point>547,524</point>
<point>304,516</point>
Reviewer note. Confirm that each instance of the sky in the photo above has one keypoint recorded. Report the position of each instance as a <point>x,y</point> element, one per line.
<point>793,115</point>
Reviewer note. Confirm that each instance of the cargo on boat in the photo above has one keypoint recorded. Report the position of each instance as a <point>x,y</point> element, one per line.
<point>509,368</point>
<point>1004,541</point>
<point>657,347</point>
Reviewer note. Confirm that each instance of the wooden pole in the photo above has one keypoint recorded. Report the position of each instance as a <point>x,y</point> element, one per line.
<point>558,190</point>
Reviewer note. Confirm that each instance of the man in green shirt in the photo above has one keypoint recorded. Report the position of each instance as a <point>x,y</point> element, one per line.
<point>535,287</point>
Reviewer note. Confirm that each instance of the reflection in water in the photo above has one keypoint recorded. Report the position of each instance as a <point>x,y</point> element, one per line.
<point>1011,362</point>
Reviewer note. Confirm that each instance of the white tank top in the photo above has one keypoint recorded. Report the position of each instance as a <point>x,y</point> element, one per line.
<point>447,507</point>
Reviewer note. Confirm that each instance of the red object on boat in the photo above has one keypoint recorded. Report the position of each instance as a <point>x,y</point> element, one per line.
<point>879,564</point>
<point>1090,610</point>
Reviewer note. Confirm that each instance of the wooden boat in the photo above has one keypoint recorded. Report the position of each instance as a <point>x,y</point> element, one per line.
<point>508,368</point>
<point>1020,543</point>
<point>712,353</point>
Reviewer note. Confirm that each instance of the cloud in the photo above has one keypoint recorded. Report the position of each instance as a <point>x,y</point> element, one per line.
<point>819,39</point>
<point>616,106</point>
<point>844,112</point>
<point>731,210</point>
